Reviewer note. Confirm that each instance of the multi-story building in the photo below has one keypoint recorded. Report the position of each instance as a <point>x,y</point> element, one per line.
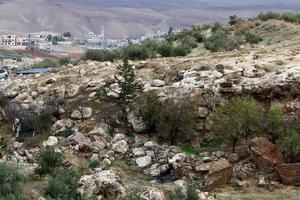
<point>9,40</point>
<point>22,41</point>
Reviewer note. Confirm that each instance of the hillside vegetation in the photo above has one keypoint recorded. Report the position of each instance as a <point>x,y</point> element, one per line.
<point>215,106</point>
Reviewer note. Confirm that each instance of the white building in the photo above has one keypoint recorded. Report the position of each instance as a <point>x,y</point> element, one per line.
<point>22,41</point>
<point>65,43</point>
<point>94,39</point>
<point>9,40</point>
<point>44,45</point>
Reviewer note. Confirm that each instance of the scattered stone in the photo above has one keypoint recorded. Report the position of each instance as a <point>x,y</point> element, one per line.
<point>136,122</point>
<point>102,184</point>
<point>143,162</point>
<point>138,152</point>
<point>152,193</point>
<point>51,141</point>
<point>158,83</point>
<point>120,147</point>
<point>177,160</point>
<point>82,113</point>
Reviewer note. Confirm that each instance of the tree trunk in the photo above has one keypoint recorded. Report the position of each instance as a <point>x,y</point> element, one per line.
<point>233,146</point>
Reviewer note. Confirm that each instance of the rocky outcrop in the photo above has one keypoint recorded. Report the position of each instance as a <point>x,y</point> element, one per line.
<point>289,173</point>
<point>219,174</point>
<point>265,155</point>
<point>102,184</point>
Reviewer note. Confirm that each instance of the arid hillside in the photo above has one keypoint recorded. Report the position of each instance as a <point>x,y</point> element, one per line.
<point>220,122</point>
<point>121,19</point>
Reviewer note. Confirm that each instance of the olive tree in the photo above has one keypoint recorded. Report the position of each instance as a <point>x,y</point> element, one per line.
<point>275,124</point>
<point>236,119</point>
<point>291,144</point>
<point>177,120</point>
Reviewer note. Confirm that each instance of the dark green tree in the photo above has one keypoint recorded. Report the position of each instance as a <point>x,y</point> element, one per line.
<point>177,120</point>
<point>127,84</point>
<point>236,119</point>
<point>275,124</point>
<point>291,144</point>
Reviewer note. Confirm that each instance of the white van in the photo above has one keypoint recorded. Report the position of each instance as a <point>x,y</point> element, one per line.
<point>3,74</point>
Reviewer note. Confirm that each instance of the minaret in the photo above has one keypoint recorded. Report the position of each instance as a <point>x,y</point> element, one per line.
<point>102,32</point>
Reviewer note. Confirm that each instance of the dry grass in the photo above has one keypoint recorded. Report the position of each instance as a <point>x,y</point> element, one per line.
<point>254,193</point>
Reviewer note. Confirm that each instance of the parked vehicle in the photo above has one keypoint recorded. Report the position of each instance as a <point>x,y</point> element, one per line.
<point>3,74</point>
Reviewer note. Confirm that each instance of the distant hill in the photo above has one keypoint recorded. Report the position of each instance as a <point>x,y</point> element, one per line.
<point>124,18</point>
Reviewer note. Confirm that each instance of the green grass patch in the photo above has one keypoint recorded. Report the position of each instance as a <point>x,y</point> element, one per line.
<point>190,150</point>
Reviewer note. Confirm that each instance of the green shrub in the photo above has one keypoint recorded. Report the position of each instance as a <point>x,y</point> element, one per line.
<point>252,38</point>
<point>49,160</point>
<point>63,186</point>
<point>291,144</point>
<point>190,194</point>
<point>67,132</point>
<point>100,55</point>
<point>220,41</point>
<point>47,63</point>
<point>149,107</point>
<point>189,150</point>
<point>11,182</point>
<point>2,144</point>
<point>237,118</point>
<point>275,124</point>
<point>189,41</point>
<point>43,122</point>
<point>94,164</point>
<point>135,52</point>
<point>268,15</point>
<point>234,19</point>
<point>165,49</point>
<point>3,101</point>
<point>181,50</point>
<point>64,60</point>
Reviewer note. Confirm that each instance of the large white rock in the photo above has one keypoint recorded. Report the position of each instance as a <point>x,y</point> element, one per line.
<point>105,182</point>
<point>177,159</point>
<point>100,129</point>
<point>51,141</point>
<point>82,113</point>
<point>158,83</point>
<point>120,147</point>
<point>143,161</point>
<point>138,152</point>
<point>136,122</point>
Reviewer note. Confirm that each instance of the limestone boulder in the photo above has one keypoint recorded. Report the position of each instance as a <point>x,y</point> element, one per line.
<point>82,113</point>
<point>120,147</point>
<point>144,161</point>
<point>102,184</point>
<point>219,174</point>
<point>265,154</point>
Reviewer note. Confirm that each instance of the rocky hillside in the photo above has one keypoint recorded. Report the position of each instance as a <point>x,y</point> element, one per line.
<point>70,127</point>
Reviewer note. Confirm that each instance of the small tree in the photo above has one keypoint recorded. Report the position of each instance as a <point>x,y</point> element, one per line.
<point>149,106</point>
<point>235,119</point>
<point>63,186</point>
<point>127,84</point>
<point>291,144</point>
<point>177,120</point>
<point>234,19</point>
<point>49,160</point>
<point>10,181</point>
<point>275,124</point>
